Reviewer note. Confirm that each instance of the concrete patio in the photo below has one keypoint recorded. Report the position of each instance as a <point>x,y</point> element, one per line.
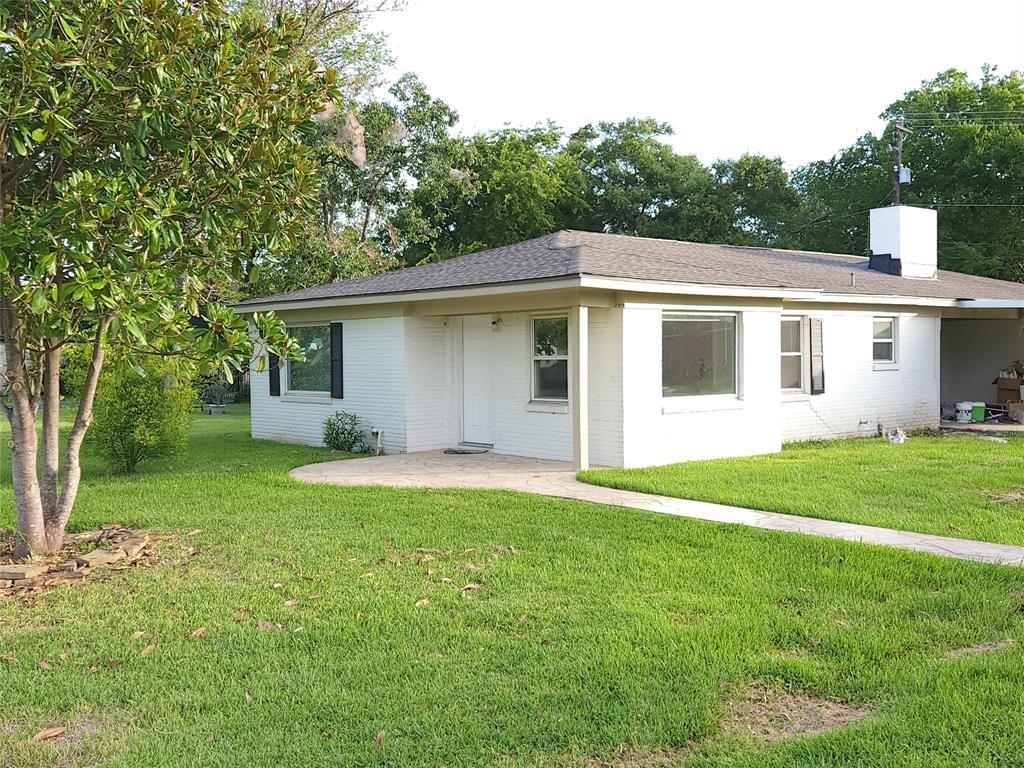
<point>436,469</point>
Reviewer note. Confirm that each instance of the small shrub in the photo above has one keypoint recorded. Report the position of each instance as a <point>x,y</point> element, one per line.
<point>139,417</point>
<point>213,388</point>
<point>342,433</point>
<point>74,365</point>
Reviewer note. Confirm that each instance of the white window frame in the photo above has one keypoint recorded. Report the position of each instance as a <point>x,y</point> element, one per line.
<point>534,357</point>
<point>802,354</point>
<point>893,360</point>
<point>689,403</point>
<point>307,394</point>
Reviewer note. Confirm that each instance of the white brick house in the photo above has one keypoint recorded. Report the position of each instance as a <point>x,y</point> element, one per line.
<point>617,351</point>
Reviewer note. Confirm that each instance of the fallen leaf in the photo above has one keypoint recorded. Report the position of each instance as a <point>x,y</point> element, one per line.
<point>198,631</point>
<point>240,615</point>
<point>248,697</point>
<point>278,585</point>
<point>422,603</point>
<point>296,630</point>
<point>377,742</point>
<point>92,671</point>
<point>49,733</point>
<point>266,625</point>
<point>471,586</point>
<point>194,532</point>
<point>291,603</point>
<point>146,651</point>
<point>367,575</point>
<point>44,664</point>
<point>115,663</point>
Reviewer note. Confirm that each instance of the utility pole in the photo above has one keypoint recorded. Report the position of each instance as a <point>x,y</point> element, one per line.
<point>901,131</point>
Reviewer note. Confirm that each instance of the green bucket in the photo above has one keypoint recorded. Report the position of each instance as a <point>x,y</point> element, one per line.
<point>978,413</point>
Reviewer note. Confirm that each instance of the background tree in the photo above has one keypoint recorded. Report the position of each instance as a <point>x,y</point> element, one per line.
<point>371,198</point>
<point>636,184</point>
<point>510,185</point>
<point>146,146</point>
<point>762,204</point>
<point>967,156</point>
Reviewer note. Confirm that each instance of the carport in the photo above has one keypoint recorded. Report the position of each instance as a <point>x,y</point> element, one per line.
<point>979,338</point>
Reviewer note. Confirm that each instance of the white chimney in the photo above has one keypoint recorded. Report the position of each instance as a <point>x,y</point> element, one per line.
<point>909,237</point>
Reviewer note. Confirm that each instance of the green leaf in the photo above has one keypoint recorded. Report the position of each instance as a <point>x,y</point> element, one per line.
<point>68,29</point>
<point>39,302</point>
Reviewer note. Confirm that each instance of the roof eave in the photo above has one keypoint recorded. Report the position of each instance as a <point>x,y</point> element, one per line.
<point>991,303</point>
<point>426,294</point>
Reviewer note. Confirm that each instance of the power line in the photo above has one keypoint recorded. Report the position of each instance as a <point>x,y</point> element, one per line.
<point>964,112</point>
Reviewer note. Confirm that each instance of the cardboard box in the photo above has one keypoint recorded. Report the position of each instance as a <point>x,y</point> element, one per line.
<point>1015,411</point>
<point>1008,390</point>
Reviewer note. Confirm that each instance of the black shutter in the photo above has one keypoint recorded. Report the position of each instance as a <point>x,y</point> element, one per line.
<point>817,357</point>
<point>337,367</point>
<point>274,370</point>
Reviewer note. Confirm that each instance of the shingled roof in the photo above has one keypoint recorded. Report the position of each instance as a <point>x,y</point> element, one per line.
<point>571,253</point>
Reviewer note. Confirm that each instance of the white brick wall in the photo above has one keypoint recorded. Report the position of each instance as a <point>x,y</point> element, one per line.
<point>661,430</point>
<point>433,387</point>
<point>859,394</point>
<point>404,374</point>
<point>519,428</point>
<point>605,380</point>
<point>374,364</point>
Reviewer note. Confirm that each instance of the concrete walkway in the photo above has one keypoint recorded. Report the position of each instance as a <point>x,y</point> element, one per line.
<point>436,469</point>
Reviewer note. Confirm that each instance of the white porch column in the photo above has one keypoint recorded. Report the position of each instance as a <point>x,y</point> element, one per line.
<point>579,360</point>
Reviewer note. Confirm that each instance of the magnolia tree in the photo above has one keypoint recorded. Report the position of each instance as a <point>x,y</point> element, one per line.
<point>146,145</point>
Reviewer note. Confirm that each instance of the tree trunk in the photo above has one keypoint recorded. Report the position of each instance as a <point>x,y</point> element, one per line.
<point>57,523</point>
<point>28,506</point>
<point>51,427</point>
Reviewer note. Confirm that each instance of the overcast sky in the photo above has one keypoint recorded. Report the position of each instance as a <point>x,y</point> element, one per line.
<point>795,79</point>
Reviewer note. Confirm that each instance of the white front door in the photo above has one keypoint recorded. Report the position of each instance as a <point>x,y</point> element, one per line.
<point>477,380</point>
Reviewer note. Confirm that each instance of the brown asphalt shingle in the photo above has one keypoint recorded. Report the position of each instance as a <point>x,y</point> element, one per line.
<point>571,253</point>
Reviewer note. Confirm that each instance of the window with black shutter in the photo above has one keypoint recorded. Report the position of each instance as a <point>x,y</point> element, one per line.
<point>337,362</point>
<point>274,373</point>
<point>817,357</point>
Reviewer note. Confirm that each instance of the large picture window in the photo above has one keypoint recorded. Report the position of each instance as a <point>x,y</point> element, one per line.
<point>314,373</point>
<point>550,358</point>
<point>698,355</point>
<point>792,353</point>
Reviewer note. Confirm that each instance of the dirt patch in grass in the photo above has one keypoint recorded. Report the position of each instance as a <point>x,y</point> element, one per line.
<point>990,647</point>
<point>66,745</point>
<point>1013,496</point>
<point>768,713</point>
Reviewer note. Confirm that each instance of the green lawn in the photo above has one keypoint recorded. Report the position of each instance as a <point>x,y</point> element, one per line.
<point>955,485</point>
<point>604,627</point>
